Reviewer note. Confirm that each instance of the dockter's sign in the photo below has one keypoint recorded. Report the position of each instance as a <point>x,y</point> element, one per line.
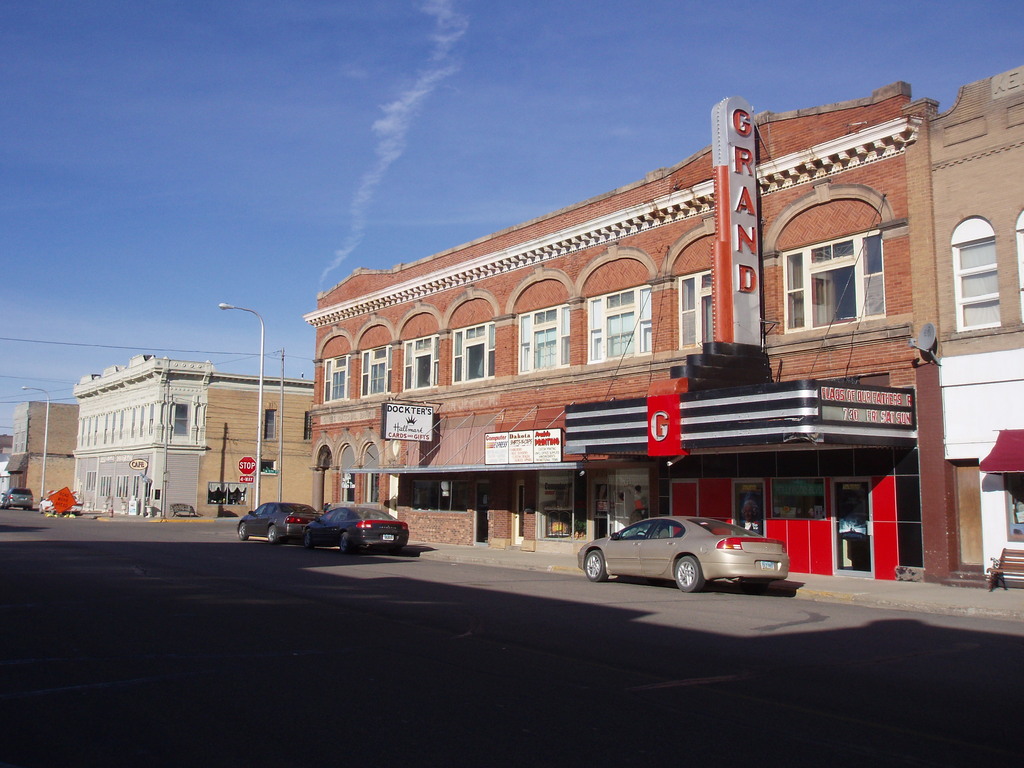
<point>403,421</point>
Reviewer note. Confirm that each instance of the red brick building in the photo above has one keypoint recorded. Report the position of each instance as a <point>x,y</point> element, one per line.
<point>531,353</point>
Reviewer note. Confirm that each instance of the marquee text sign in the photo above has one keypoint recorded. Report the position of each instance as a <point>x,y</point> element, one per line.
<point>870,407</point>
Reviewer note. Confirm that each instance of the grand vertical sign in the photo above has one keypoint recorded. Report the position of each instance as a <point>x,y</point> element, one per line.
<point>736,269</point>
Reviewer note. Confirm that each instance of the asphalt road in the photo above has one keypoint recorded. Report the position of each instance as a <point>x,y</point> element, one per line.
<point>150,644</point>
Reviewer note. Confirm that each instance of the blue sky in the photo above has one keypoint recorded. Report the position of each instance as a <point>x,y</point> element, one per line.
<point>159,157</point>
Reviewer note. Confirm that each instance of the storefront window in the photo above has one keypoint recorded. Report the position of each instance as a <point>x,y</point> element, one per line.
<point>228,494</point>
<point>622,500</point>
<point>802,499</point>
<point>1015,501</point>
<point>749,509</point>
<point>348,487</point>
<point>441,495</point>
<point>559,519</point>
<point>373,488</point>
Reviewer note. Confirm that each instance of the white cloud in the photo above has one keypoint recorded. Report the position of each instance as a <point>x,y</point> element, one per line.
<point>391,129</point>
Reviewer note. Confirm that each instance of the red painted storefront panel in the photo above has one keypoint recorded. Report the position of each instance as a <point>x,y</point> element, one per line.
<point>820,536</point>
<point>883,499</point>
<point>716,498</point>
<point>885,539</point>
<point>798,544</point>
<point>684,498</point>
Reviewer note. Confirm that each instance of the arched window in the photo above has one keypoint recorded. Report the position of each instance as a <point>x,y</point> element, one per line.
<point>975,275</point>
<point>348,482</point>
<point>372,461</point>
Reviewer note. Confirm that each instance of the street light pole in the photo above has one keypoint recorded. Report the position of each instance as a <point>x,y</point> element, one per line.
<point>46,439</point>
<point>259,405</point>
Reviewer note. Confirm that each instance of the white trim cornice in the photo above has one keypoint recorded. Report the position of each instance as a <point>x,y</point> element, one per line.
<point>874,143</point>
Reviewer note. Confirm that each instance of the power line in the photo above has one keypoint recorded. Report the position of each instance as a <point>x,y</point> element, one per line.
<point>245,355</point>
<point>114,346</point>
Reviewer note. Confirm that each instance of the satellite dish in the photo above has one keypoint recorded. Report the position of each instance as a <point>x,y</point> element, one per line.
<point>926,339</point>
<point>926,343</point>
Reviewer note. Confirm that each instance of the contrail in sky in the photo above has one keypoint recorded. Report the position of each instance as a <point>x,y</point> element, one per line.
<point>391,129</point>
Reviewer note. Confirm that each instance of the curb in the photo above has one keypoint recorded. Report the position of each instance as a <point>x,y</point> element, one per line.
<point>812,594</point>
<point>484,560</point>
<point>967,611</point>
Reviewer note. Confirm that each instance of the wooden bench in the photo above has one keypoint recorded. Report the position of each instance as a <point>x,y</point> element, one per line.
<point>1010,565</point>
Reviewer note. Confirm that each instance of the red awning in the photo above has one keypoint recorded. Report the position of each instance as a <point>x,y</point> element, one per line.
<point>1007,454</point>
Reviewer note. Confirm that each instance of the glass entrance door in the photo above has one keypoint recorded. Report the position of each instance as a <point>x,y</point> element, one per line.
<point>482,512</point>
<point>853,527</point>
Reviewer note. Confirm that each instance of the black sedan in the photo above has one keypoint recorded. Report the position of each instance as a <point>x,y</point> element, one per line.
<point>353,528</point>
<point>278,521</point>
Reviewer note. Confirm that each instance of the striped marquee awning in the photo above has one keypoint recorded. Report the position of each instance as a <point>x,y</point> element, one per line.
<point>805,411</point>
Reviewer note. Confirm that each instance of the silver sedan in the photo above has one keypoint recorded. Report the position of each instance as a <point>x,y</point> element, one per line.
<point>689,550</point>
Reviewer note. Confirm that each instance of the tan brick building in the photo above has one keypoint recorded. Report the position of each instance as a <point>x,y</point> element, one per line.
<point>977,163</point>
<point>34,426</point>
<point>537,352</point>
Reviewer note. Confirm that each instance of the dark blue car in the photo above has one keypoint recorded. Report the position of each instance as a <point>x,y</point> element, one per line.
<point>352,528</point>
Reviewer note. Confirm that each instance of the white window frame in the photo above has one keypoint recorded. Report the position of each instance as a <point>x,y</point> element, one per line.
<point>335,377</point>
<point>617,316</point>
<point>181,416</point>
<point>695,309</point>
<point>971,236</point>
<point>376,371</point>
<point>420,353</point>
<point>863,253</point>
<point>465,339</point>
<point>1020,261</point>
<point>540,331</point>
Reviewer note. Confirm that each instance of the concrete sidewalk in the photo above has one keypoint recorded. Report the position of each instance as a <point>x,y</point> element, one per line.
<point>900,595</point>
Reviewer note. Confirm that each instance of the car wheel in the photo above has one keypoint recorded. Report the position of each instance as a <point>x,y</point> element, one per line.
<point>273,536</point>
<point>243,534</point>
<point>307,540</point>
<point>346,545</point>
<point>689,576</point>
<point>754,587</point>
<point>593,566</point>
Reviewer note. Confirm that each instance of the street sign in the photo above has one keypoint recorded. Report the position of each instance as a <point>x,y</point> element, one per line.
<point>247,478</point>
<point>247,466</point>
<point>63,500</point>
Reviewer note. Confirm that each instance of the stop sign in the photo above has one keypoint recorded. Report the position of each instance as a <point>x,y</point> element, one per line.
<point>247,465</point>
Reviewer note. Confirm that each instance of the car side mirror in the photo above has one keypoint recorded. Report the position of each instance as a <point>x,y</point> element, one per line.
<point>614,536</point>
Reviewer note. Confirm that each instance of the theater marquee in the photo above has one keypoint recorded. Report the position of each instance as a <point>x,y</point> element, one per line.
<point>781,413</point>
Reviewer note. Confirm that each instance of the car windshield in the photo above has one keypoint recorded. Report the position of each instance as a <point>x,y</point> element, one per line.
<point>721,528</point>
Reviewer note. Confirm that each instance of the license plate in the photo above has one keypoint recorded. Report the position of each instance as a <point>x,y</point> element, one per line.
<point>766,565</point>
<point>388,536</point>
